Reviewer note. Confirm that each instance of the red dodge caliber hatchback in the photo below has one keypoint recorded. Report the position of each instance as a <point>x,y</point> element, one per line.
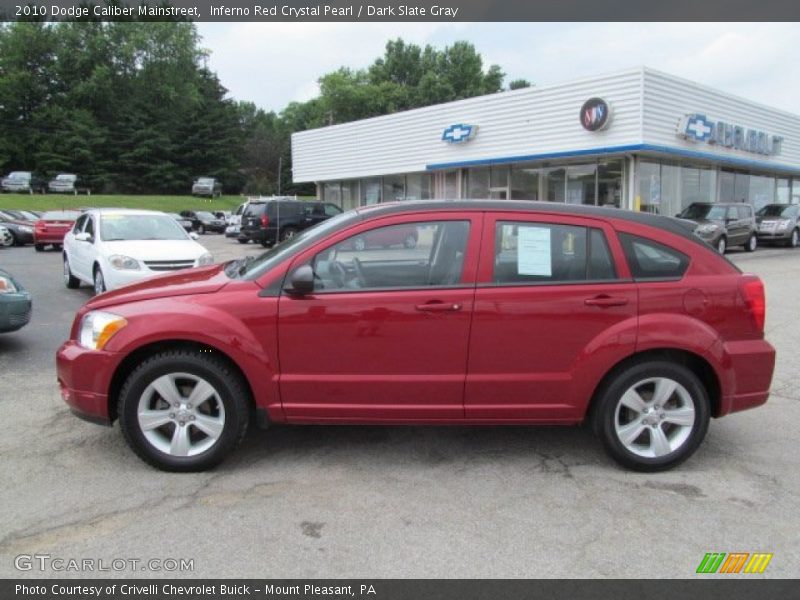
<point>500,313</point>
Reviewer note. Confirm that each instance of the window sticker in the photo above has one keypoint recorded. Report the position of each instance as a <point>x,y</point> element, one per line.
<point>533,251</point>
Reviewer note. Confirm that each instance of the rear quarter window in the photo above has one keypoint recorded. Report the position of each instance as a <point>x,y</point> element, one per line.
<point>649,259</point>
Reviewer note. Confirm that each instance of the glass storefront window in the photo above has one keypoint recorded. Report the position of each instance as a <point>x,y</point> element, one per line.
<point>349,194</point>
<point>418,186</point>
<point>478,183</point>
<point>451,185</point>
<point>726,189</point>
<point>524,183</point>
<point>648,187</point>
<point>795,191</point>
<point>498,177</point>
<point>394,188</point>
<point>609,183</point>
<point>671,203</point>
<point>581,180</point>
<point>331,192</point>
<point>554,181</point>
<point>370,191</point>
<point>782,191</point>
<point>697,185</point>
<point>762,191</point>
<point>741,188</point>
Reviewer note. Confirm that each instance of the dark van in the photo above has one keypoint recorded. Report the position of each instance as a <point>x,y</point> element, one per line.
<point>277,219</point>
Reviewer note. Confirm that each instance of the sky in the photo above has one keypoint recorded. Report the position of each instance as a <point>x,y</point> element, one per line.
<point>272,64</point>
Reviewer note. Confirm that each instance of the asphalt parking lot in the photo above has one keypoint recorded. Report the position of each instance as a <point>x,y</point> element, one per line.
<point>394,501</point>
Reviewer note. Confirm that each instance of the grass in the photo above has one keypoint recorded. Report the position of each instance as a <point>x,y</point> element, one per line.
<point>164,203</point>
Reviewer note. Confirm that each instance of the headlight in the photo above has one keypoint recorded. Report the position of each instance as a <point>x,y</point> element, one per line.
<point>121,262</point>
<point>707,228</point>
<point>26,229</point>
<point>206,259</point>
<point>97,327</point>
<point>7,286</point>
<point>783,224</point>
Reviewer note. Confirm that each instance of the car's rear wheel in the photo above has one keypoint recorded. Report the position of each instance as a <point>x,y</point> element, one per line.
<point>288,233</point>
<point>183,410</point>
<point>241,241</point>
<point>99,281</point>
<point>722,245</point>
<point>70,281</point>
<point>752,243</point>
<point>652,415</point>
<point>38,247</point>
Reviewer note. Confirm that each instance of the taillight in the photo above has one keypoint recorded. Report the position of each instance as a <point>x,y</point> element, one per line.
<point>264,221</point>
<point>754,299</point>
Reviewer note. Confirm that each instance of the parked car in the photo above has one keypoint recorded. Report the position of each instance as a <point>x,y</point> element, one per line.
<point>203,221</point>
<point>6,239</point>
<point>207,186</point>
<point>386,237</point>
<point>279,219</point>
<point>723,225</point>
<point>15,304</point>
<point>68,183</point>
<point>184,222</point>
<point>23,182</point>
<point>779,223</point>
<point>109,248</point>
<point>234,223</point>
<point>20,215</point>
<point>20,229</point>
<point>51,228</point>
<point>505,312</point>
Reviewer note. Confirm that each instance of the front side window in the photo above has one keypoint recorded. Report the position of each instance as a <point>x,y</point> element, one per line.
<point>650,260</point>
<point>550,253</point>
<point>410,255</point>
<point>332,210</point>
<point>79,223</point>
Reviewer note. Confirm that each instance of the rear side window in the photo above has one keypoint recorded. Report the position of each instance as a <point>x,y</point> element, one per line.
<point>650,260</point>
<point>254,210</point>
<point>548,253</point>
<point>745,212</point>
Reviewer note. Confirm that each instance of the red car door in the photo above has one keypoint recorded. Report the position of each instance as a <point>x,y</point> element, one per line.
<point>384,335</point>
<point>554,306</point>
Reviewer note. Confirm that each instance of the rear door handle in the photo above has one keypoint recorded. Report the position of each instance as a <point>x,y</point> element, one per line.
<point>439,307</point>
<point>605,301</point>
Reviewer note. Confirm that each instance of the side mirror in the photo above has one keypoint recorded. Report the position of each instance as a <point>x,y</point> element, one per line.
<point>301,281</point>
<point>193,235</point>
<point>83,237</point>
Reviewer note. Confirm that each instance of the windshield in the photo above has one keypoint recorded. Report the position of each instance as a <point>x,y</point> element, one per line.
<point>121,227</point>
<point>776,210</point>
<point>19,175</point>
<point>205,180</point>
<point>201,214</point>
<point>66,177</point>
<point>265,261</point>
<point>712,212</point>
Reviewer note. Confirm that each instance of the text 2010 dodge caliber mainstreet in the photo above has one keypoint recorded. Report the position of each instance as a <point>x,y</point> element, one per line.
<point>500,312</point>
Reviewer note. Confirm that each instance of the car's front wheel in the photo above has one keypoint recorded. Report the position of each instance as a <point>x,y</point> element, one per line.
<point>99,281</point>
<point>652,415</point>
<point>793,239</point>
<point>183,410</point>
<point>722,245</point>
<point>752,243</point>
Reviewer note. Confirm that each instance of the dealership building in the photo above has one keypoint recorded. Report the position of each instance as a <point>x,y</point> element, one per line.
<point>638,139</point>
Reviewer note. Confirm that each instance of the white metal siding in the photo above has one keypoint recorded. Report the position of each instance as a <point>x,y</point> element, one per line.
<point>667,99</point>
<point>532,121</point>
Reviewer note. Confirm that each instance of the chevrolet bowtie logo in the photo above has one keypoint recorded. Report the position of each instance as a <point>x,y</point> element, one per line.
<point>698,127</point>
<point>456,134</point>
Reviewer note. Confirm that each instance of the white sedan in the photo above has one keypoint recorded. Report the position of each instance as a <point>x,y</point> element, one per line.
<point>111,247</point>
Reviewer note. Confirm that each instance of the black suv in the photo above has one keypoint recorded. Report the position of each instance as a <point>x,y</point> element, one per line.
<point>723,225</point>
<point>267,221</point>
<point>204,221</point>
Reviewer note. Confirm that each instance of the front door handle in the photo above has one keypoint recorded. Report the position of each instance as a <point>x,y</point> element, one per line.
<point>439,307</point>
<point>606,301</point>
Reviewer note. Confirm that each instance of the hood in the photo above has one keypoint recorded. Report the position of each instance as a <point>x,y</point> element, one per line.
<point>156,249</point>
<point>702,221</point>
<point>199,280</point>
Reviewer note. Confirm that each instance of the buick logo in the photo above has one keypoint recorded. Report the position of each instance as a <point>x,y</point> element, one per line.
<point>595,114</point>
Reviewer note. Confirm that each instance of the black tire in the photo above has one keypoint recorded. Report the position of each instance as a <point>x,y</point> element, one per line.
<point>99,281</point>
<point>264,243</point>
<point>70,280</point>
<point>38,247</point>
<point>15,241</point>
<point>751,244</point>
<point>722,244</point>
<point>241,241</point>
<point>606,416</point>
<point>231,391</point>
<point>288,233</point>
<point>793,239</point>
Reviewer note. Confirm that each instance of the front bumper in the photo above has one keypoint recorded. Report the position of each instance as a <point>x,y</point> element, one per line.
<point>750,364</point>
<point>16,187</point>
<point>774,236</point>
<point>83,378</point>
<point>15,311</point>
